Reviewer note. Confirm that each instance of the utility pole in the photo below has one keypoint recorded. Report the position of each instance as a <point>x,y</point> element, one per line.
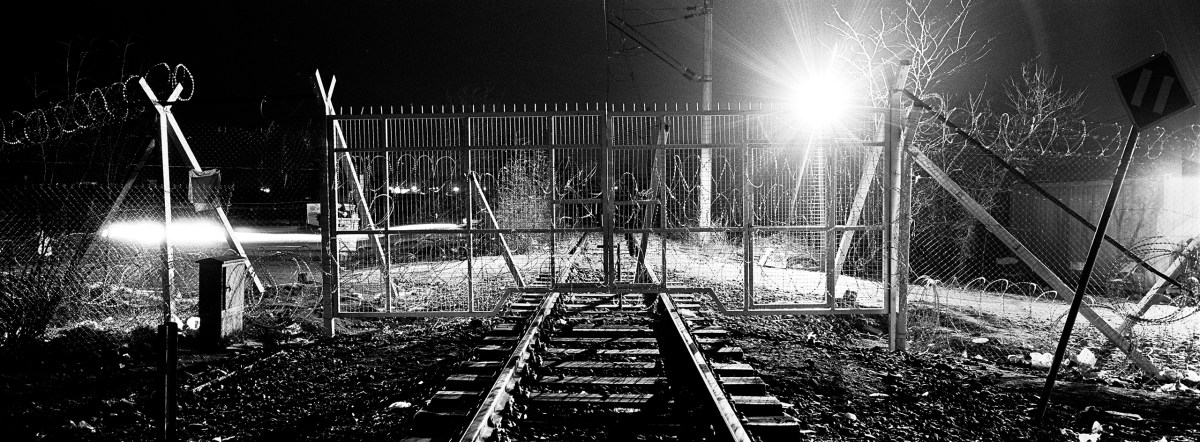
<point>705,200</point>
<point>704,211</point>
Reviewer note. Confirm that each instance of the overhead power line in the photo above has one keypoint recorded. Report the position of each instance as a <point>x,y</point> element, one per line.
<point>617,22</point>
<point>667,20</point>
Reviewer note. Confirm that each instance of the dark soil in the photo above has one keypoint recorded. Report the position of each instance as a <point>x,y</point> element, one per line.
<point>844,384</point>
<point>289,385</point>
<point>361,386</point>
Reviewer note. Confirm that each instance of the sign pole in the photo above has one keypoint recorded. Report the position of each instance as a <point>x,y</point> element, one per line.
<point>1097,240</point>
<point>1151,90</point>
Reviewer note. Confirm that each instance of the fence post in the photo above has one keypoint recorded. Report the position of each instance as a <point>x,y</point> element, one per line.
<point>609,216</point>
<point>168,331</point>
<point>329,248</point>
<point>168,334</point>
<point>897,215</point>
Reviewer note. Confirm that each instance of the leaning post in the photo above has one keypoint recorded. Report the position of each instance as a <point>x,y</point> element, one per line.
<point>1081,288</point>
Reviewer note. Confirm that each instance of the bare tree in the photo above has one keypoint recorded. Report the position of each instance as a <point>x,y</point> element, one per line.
<point>1036,117</point>
<point>931,34</point>
<point>1042,117</point>
<point>1035,114</point>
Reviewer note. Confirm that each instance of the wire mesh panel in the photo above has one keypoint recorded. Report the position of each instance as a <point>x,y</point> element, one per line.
<point>1007,247</point>
<point>512,203</point>
<point>576,208</point>
<point>819,199</point>
<point>82,262</point>
<point>402,215</point>
<point>442,213</point>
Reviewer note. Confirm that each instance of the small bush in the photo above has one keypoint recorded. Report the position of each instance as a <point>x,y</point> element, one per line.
<point>524,198</point>
<point>30,299</point>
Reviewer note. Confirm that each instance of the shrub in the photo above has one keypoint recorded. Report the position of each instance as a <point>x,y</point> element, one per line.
<point>30,299</point>
<point>524,197</point>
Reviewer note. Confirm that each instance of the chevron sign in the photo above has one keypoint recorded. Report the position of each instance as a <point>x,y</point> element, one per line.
<point>1152,90</point>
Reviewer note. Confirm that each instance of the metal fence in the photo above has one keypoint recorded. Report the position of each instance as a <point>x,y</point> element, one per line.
<point>437,214</point>
<point>782,212</point>
<point>973,292</point>
<point>80,263</point>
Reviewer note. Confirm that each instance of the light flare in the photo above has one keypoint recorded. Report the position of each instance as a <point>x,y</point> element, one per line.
<point>198,233</point>
<point>822,100</point>
<point>184,232</point>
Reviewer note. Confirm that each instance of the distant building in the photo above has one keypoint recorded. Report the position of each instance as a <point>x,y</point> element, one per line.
<point>1158,208</point>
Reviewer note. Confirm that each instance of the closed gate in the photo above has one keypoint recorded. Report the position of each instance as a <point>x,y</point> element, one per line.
<point>448,213</point>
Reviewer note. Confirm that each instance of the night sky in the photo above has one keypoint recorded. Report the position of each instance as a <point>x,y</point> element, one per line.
<point>393,53</point>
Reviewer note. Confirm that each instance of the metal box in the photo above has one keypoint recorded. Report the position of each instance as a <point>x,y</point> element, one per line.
<point>222,298</point>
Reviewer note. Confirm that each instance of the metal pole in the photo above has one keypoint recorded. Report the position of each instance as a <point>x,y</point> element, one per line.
<point>705,196</point>
<point>829,149</point>
<point>385,266</point>
<point>165,246</point>
<point>606,193</point>
<point>1097,240</point>
<point>168,331</point>
<point>609,214</point>
<point>465,142</point>
<point>551,139</point>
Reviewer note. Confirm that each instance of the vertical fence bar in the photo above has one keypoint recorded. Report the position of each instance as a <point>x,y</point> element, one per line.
<point>829,150</point>
<point>747,219</point>
<point>386,265</point>
<point>464,135</point>
<point>609,217</point>
<point>661,192</point>
<point>551,139</point>
<point>327,218</point>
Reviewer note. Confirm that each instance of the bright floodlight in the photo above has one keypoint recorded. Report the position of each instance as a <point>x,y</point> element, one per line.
<point>822,99</point>
<point>183,232</point>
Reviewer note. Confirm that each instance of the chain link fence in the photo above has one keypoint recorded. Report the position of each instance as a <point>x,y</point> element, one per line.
<point>972,293</point>
<point>80,263</point>
<point>78,268</point>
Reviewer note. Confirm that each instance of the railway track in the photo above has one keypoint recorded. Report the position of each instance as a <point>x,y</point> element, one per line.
<point>603,366</point>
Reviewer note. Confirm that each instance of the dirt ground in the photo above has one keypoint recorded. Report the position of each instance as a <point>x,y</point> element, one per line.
<point>284,383</point>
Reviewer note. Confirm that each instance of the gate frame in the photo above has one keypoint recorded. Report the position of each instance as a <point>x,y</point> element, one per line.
<point>837,236</point>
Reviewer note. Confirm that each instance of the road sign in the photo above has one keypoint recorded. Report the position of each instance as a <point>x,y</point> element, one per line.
<point>1152,90</point>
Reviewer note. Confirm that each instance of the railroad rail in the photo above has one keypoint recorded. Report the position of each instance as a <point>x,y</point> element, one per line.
<point>603,366</point>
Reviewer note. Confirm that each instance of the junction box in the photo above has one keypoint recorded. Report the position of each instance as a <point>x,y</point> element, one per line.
<point>222,298</point>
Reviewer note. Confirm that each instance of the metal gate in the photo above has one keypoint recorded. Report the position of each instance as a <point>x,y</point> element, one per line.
<point>429,214</point>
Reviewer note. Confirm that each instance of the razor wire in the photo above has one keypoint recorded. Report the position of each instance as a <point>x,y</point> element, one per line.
<point>965,278</point>
<point>408,170</point>
<point>116,102</point>
<point>79,263</point>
